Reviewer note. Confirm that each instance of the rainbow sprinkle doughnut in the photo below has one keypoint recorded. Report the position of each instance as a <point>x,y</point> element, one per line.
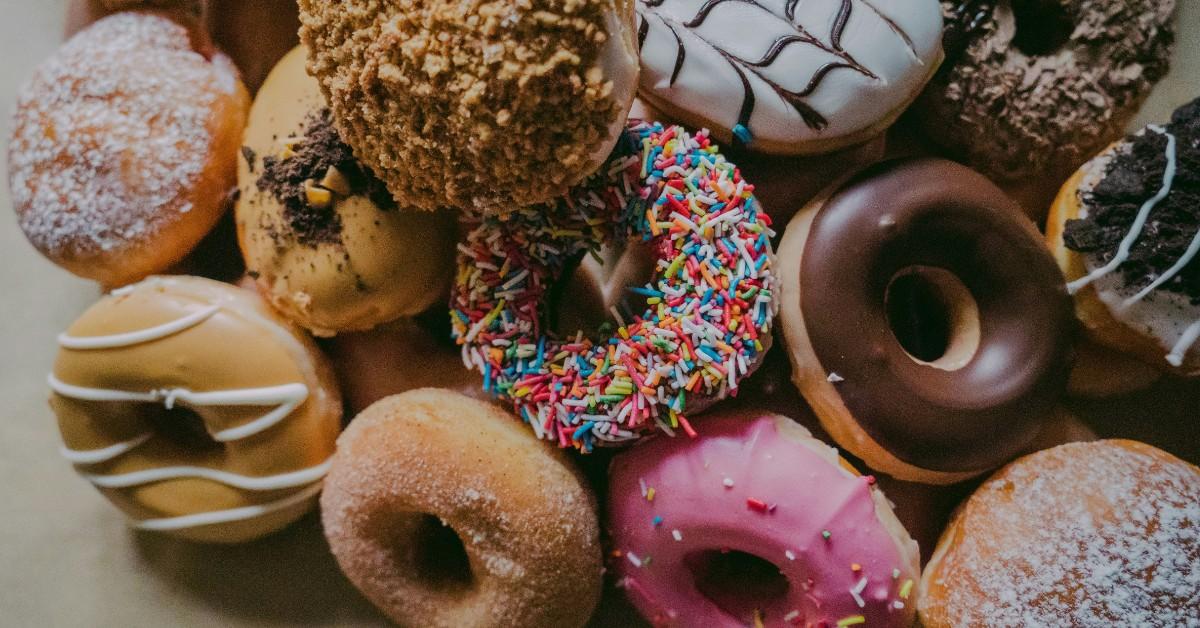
<point>709,308</point>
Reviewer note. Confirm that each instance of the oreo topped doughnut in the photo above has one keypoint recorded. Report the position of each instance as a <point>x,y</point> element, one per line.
<point>1037,86</point>
<point>481,106</point>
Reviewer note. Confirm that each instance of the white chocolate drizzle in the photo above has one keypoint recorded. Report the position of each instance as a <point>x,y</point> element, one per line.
<point>104,454</point>
<point>1139,222</point>
<point>291,479</point>
<point>227,516</point>
<point>1179,351</point>
<point>137,337</point>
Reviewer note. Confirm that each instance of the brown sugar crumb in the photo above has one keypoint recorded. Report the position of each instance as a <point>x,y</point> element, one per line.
<point>477,105</point>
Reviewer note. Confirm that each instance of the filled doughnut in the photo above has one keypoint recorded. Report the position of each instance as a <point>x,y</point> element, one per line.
<point>322,237</point>
<point>1124,230</point>
<point>192,407</point>
<point>444,526</point>
<point>1087,534</point>
<point>123,148</point>
<point>709,307</point>
<point>1033,88</point>
<point>484,106</point>
<point>926,325</point>
<point>757,523</point>
<point>787,77</point>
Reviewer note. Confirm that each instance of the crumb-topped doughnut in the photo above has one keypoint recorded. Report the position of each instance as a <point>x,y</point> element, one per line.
<point>195,409</point>
<point>1125,231</point>
<point>1086,534</point>
<point>123,148</point>
<point>757,523</point>
<point>485,105</point>
<point>709,308</point>
<point>927,326</point>
<point>444,513</point>
<point>782,76</point>
<point>1033,88</point>
<point>321,235</point>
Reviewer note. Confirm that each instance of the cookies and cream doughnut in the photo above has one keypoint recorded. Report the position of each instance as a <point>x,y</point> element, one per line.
<point>483,106</point>
<point>755,522</point>
<point>787,77</point>
<point>321,235</point>
<point>709,307</point>
<point>1087,534</point>
<point>123,148</point>
<point>927,326</point>
<point>1124,230</point>
<point>192,407</point>
<point>1033,88</point>
<point>443,512</point>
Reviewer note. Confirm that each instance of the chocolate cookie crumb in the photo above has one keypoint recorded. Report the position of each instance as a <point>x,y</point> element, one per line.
<point>250,156</point>
<point>1134,175</point>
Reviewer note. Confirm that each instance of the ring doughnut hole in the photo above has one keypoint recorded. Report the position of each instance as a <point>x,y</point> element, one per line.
<point>1040,27</point>
<point>933,316</point>
<point>181,426</point>
<point>737,582</point>
<point>430,551</point>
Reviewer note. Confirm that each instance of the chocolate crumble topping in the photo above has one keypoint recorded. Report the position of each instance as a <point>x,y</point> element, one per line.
<point>1134,175</point>
<point>293,179</point>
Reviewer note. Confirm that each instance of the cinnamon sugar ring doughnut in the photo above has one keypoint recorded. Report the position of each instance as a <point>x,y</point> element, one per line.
<point>710,306</point>
<point>926,328</point>
<point>195,410</point>
<point>444,513</point>
<point>124,146</point>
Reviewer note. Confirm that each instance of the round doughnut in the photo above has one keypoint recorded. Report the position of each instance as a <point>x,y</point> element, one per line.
<point>123,148</point>
<point>787,77</point>
<point>926,324</point>
<point>1124,231</point>
<point>482,106</point>
<point>321,235</point>
<point>1032,88</point>
<point>1085,534</point>
<point>443,526</point>
<point>756,523</point>
<point>709,309</point>
<point>197,411</point>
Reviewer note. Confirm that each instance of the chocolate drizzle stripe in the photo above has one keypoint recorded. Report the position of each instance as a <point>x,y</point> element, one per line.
<point>900,32</point>
<point>839,24</point>
<point>680,53</point>
<point>789,9</point>
<point>643,29</point>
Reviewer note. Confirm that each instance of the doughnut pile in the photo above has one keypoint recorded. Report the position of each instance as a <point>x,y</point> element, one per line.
<point>509,330</point>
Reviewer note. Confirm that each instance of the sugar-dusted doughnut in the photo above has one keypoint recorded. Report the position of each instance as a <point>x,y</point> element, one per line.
<point>1124,230</point>
<point>197,411</point>
<point>124,146</point>
<point>480,106</point>
<point>709,309</point>
<point>787,77</point>
<point>756,523</point>
<point>1085,534</point>
<point>322,237</point>
<point>1033,88</point>
<point>444,513</point>
<point>927,326</point>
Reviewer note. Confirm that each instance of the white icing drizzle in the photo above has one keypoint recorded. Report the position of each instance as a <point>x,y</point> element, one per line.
<point>1139,223</point>
<point>137,337</point>
<point>1170,273</point>
<point>104,454</point>
<point>227,516</point>
<point>1181,348</point>
<point>287,397</point>
<point>291,479</point>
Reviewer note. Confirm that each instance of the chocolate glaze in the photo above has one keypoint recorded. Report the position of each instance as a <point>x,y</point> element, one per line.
<point>937,213</point>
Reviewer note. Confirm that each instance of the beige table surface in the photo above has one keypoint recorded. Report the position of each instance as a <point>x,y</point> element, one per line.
<point>67,559</point>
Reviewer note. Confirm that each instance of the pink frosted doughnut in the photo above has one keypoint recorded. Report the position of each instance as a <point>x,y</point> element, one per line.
<point>757,523</point>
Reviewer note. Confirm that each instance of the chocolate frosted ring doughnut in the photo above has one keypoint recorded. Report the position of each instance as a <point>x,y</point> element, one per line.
<point>709,308</point>
<point>926,326</point>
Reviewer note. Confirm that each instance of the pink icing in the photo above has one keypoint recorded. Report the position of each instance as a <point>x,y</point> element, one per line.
<point>763,487</point>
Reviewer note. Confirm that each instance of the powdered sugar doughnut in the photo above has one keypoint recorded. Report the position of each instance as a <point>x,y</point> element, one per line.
<point>123,149</point>
<point>1086,534</point>
<point>709,308</point>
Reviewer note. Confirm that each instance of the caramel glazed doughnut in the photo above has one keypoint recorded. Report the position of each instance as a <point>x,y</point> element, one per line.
<point>1032,88</point>
<point>192,407</point>
<point>926,324</point>
<point>443,526</point>
<point>123,144</point>
<point>1085,534</point>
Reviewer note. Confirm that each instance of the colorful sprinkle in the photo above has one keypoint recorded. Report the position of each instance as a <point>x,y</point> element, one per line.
<point>825,534</point>
<point>677,535</point>
<point>851,621</point>
<point>712,300</point>
<point>906,589</point>
<point>657,521</point>
<point>756,505</point>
